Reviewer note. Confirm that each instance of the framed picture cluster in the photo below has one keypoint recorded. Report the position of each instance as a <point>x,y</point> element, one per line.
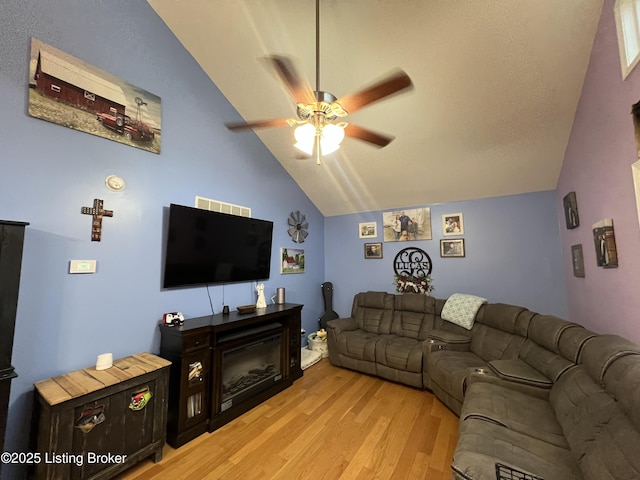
<point>603,238</point>
<point>370,230</point>
<point>452,226</point>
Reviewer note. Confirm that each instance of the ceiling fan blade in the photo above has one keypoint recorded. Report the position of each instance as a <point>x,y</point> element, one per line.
<point>394,83</point>
<point>295,83</point>
<point>367,135</point>
<point>280,122</point>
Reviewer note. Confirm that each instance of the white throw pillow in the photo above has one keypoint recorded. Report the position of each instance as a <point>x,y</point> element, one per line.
<point>461,309</point>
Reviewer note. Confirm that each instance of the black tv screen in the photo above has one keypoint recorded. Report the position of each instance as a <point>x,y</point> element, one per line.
<point>206,247</point>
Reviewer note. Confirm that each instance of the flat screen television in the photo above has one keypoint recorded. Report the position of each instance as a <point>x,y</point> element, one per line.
<point>205,247</point>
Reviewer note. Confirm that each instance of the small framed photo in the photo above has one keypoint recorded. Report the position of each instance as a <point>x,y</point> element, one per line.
<point>373,250</point>
<point>452,224</point>
<point>570,205</point>
<point>292,260</point>
<point>368,230</point>
<point>577,260</point>
<point>452,248</point>
<point>605,243</point>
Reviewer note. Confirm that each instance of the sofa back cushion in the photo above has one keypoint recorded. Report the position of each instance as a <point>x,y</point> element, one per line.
<point>612,452</point>
<point>550,364</point>
<point>599,352</point>
<point>546,330</point>
<point>413,315</point>
<point>571,342</point>
<point>581,406</point>
<point>373,311</point>
<point>601,436</point>
<point>498,333</point>
<point>622,380</point>
<point>505,318</point>
<point>493,344</point>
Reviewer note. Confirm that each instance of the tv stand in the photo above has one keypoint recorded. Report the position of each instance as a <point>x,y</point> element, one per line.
<point>208,387</point>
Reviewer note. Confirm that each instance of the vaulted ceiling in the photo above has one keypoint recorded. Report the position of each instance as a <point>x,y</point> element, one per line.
<point>496,87</point>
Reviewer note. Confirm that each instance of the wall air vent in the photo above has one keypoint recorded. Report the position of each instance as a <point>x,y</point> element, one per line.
<point>222,207</point>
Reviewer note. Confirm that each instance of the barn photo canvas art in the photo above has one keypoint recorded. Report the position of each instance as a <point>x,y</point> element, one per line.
<point>69,92</point>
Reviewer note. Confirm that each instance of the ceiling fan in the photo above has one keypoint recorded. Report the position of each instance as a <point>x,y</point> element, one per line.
<point>318,126</point>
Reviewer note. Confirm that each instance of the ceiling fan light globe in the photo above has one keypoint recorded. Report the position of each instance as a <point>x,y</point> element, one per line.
<point>332,134</point>
<point>305,133</point>
<point>308,149</point>
<point>305,138</point>
<point>330,138</point>
<point>327,148</point>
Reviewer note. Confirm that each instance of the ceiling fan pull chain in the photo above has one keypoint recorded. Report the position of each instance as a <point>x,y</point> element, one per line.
<point>317,47</point>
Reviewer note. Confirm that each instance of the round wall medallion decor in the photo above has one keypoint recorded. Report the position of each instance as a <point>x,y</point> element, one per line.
<point>412,261</point>
<point>413,271</point>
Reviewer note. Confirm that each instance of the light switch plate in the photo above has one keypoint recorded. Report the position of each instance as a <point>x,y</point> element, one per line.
<point>82,266</point>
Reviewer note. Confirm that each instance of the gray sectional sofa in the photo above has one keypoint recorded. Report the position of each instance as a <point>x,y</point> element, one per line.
<point>534,393</point>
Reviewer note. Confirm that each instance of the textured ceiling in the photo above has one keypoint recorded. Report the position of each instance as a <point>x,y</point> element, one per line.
<point>496,87</point>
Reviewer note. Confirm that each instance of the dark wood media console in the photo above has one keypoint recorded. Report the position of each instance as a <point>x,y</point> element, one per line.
<point>208,386</point>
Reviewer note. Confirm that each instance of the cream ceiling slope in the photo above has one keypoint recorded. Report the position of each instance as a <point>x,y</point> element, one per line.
<point>497,83</point>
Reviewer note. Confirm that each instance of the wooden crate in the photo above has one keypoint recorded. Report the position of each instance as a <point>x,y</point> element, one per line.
<point>93,424</point>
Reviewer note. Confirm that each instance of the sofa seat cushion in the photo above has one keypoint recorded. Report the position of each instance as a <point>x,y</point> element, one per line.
<point>401,353</point>
<point>514,410</point>
<point>516,370</point>
<point>449,368</point>
<point>358,344</point>
<point>481,444</point>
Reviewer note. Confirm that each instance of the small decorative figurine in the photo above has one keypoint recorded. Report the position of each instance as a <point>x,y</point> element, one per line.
<point>262,302</point>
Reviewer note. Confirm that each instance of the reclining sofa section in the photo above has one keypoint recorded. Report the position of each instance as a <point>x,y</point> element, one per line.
<point>534,393</point>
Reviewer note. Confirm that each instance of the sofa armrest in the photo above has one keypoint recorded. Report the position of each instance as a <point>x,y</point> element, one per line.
<point>339,325</point>
<point>444,340</point>
<point>517,371</point>
<point>487,375</point>
<point>450,338</point>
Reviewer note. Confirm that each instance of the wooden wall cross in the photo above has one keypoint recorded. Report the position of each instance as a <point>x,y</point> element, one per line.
<point>97,212</point>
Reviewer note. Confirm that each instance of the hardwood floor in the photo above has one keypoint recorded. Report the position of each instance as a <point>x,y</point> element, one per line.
<point>331,424</point>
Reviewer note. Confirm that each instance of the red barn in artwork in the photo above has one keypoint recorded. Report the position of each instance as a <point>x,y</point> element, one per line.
<point>75,86</point>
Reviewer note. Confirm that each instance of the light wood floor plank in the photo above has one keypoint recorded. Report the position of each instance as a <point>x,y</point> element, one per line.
<point>331,424</point>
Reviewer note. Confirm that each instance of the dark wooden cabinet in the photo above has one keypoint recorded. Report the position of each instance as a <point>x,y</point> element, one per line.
<point>11,241</point>
<point>198,351</point>
<point>93,424</point>
<point>189,384</point>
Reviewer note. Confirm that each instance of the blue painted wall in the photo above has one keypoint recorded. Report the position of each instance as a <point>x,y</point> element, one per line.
<point>48,172</point>
<point>512,254</point>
